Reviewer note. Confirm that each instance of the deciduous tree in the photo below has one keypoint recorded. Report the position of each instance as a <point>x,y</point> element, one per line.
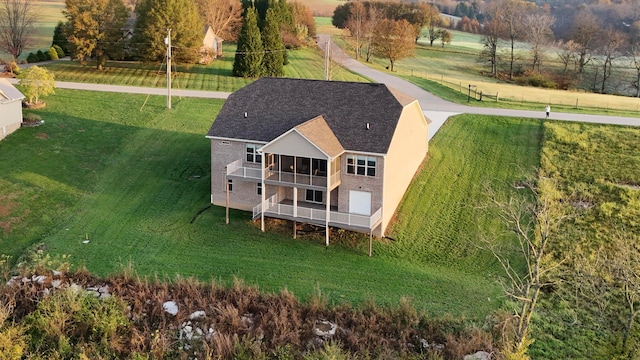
<point>394,40</point>
<point>609,46</point>
<point>250,51</point>
<point>223,16</point>
<point>94,28</point>
<point>355,25</point>
<point>37,82</point>
<point>634,53</point>
<point>444,36</point>
<point>532,218</point>
<point>17,20</point>
<point>537,31</point>
<point>303,20</point>
<point>584,34</point>
<point>432,21</point>
<point>154,17</point>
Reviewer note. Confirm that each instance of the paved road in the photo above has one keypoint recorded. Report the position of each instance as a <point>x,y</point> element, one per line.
<point>439,110</point>
<point>436,109</point>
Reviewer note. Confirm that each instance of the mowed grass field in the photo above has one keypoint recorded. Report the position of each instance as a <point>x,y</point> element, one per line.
<point>305,63</point>
<point>133,180</point>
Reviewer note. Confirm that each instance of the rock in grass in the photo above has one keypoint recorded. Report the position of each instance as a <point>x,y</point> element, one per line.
<point>170,307</point>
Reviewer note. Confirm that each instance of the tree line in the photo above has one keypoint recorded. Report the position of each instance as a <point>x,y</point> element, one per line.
<point>136,30</point>
<point>556,56</point>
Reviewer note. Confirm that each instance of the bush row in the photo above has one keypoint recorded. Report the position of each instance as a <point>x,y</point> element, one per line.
<point>54,53</point>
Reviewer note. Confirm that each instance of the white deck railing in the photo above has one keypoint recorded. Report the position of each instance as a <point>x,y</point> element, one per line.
<point>301,179</point>
<point>236,169</point>
<point>273,207</point>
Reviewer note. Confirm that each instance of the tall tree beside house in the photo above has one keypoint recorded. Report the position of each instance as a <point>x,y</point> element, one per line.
<point>249,53</point>
<point>17,30</point>
<point>94,28</point>
<point>394,40</point>
<point>273,60</point>
<point>154,17</point>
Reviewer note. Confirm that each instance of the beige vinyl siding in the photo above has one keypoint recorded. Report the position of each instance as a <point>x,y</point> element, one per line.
<point>407,151</point>
<point>11,117</point>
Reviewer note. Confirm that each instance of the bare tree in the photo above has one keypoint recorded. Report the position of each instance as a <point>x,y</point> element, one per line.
<point>17,19</point>
<point>373,18</point>
<point>533,218</point>
<point>511,16</point>
<point>491,36</point>
<point>567,54</point>
<point>584,33</point>
<point>538,33</point>
<point>609,45</point>
<point>431,21</point>
<point>634,53</point>
<point>355,25</point>
<point>223,16</point>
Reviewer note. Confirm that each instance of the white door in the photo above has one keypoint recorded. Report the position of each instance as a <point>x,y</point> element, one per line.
<point>359,202</point>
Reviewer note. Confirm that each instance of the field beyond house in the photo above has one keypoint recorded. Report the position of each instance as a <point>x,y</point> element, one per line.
<point>132,180</point>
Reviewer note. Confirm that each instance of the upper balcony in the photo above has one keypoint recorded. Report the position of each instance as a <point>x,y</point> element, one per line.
<point>290,170</point>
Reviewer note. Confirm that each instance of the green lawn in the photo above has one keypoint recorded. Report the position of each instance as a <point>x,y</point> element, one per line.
<point>132,180</point>
<point>306,63</point>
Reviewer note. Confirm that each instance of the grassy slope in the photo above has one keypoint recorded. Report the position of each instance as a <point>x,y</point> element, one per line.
<point>132,180</point>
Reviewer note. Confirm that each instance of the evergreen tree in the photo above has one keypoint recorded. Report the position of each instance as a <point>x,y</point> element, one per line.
<point>60,38</point>
<point>155,17</point>
<point>274,49</point>
<point>249,53</point>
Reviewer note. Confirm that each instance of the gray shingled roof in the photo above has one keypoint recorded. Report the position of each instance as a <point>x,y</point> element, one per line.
<point>276,105</point>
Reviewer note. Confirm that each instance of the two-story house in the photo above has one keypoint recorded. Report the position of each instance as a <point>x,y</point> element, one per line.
<point>330,153</point>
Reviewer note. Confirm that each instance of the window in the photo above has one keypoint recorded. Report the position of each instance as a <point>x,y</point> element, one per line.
<point>252,153</point>
<point>230,185</point>
<point>314,196</point>
<point>259,188</point>
<point>361,165</point>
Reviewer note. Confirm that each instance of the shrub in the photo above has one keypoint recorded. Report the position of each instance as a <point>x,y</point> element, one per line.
<point>65,322</point>
<point>59,50</point>
<point>31,117</point>
<point>43,56</point>
<point>53,54</point>
<point>12,67</point>
<point>31,58</point>
<point>531,78</point>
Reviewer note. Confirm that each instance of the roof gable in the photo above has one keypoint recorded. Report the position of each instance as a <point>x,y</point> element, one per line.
<point>8,92</point>
<point>362,116</point>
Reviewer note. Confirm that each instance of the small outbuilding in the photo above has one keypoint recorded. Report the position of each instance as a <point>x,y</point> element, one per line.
<point>10,108</point>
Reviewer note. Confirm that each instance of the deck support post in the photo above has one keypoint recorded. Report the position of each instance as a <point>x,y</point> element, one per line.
<point>295,229</point>
<point>328,201</point>
<point>370,241</point>
<point>226,185</point>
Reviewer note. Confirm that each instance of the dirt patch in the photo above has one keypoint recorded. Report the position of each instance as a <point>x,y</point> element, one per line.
<point>7,208</point>
<point>629,186</point>
<point>43,136</point>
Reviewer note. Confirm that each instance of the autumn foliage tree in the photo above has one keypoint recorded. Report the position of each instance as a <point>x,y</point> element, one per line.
<point>37,82</point>
<point>94,27</point>
<point>155,17</point>
<point>394,40</point>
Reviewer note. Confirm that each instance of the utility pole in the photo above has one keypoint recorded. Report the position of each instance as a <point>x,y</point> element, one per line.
<point>167,41</point>
<point>326,59</point>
